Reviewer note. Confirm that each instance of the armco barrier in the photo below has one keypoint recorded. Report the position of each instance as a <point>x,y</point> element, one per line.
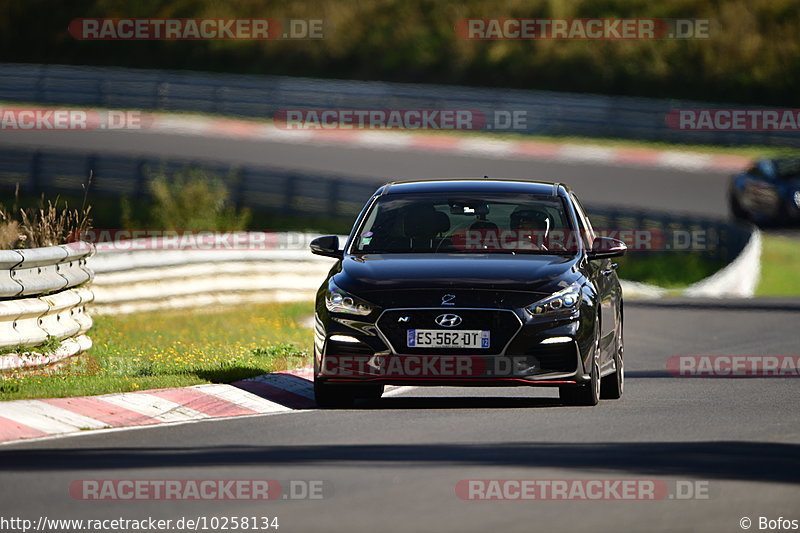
<point>547,113</point>
<point>137,276</point>
<point>260,187</point>
<point>140,277</point>
<point>713,238</point>
<point>43,294</point>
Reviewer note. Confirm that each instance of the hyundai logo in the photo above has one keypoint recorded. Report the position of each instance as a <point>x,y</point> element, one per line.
<point>448,320</point>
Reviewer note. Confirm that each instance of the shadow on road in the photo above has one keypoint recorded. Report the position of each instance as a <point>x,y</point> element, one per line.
<point>733,304</point>
<point>733,460</point>
<point>460,402</point>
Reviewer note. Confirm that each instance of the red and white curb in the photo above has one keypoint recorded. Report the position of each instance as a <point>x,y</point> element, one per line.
<point>267,394</point>
<point>480,146</point>
<point>456,144</point>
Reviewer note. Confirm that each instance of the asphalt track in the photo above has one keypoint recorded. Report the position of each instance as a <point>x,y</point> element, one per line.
<point>393,465</point>
<point>653,188</point>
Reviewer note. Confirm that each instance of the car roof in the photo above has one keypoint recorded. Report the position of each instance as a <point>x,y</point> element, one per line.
<point>477,185</point>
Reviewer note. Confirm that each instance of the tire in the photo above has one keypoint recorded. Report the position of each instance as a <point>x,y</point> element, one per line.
<point>612,386</point>
<point>333,397</point>
<point>587,394</point>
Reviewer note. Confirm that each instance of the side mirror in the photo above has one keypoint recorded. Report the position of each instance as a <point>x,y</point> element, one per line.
<point>603,247</point>
<point>327,246</point>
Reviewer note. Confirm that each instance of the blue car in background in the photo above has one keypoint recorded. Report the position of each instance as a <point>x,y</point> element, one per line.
<point>768,193</point>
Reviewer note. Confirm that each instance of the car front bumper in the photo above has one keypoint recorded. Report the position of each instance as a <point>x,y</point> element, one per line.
<point>536,353</point>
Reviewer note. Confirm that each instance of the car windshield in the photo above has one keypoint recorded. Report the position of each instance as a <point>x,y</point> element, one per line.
<point>459,223</point>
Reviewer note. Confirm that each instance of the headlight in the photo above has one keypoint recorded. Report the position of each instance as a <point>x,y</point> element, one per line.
<point>563,301</point>
<point>339,301</point>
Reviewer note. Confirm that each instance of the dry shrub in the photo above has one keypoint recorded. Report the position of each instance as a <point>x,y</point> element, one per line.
<point>50,224</point>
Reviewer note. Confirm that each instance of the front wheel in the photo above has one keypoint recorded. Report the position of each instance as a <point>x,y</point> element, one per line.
<point>611,386</point>
<point>587,394</point>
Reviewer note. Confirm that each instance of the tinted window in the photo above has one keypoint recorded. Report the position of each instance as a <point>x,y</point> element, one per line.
<point>459,223</point>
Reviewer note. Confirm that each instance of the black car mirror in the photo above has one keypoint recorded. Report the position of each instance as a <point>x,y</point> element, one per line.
<point>603,247</point>
<point>327,246</point>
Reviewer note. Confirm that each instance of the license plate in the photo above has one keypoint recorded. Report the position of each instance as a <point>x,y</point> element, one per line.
<point>458,338</point>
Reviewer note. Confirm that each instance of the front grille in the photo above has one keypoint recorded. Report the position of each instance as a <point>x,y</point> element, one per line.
<point>503,325</point>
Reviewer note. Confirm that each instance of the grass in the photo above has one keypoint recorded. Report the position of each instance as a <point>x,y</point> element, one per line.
<point>675,270</point>
<point>780,266</point>
<point>174,349</point>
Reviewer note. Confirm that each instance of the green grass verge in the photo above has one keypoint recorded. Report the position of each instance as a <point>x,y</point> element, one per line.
<point>174,349</point>
<point>669,270</point>
<point>780,267</point>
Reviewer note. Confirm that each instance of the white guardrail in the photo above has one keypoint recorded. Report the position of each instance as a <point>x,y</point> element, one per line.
<point>43,291</point>
<point>153,274</point>
<point>43,295</point>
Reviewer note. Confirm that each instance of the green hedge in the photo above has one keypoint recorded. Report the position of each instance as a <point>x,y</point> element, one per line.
<point>752,57</point>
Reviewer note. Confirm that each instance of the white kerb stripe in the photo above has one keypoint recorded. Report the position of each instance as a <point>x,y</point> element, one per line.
<point>153,406</point>
<point>387,140</point>
<point>240,397</point>
<point>486,147</point>
<point>684,160</point>
<point>47,418</point>
<point>579,152</point>
<point>298,386</point>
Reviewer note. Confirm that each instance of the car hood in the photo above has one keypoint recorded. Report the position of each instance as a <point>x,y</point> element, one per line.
<point>502,272</point>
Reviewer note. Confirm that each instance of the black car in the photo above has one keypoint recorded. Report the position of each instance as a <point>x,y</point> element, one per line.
<point>463,282</point>
<point>768,193</point>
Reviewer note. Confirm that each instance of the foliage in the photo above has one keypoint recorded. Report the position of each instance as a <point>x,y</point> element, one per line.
<point>753,55</point>
<point>49,224</point>
<point>189,199</point>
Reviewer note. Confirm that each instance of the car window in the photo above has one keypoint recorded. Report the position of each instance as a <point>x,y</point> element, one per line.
<point>465,223</point>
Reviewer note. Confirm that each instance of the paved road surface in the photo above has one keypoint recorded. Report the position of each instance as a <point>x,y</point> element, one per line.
<point>393,465</point>
<point>667,189</point>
